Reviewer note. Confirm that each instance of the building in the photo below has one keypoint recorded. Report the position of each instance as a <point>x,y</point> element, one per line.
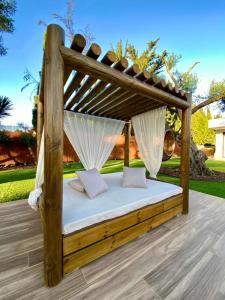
<point>219,126</point>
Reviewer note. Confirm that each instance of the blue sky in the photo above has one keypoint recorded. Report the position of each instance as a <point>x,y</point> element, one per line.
<point>195,29</point>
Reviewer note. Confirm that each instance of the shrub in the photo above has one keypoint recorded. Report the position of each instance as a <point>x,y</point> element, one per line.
<point>4,138</point>
<point>28,140</point>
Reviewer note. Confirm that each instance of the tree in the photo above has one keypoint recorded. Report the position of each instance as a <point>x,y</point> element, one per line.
<point>199,128</point>
<point>5,107</point>
<point>188,81</point>
<point>166,65</point>
<point>23,126</point>
<point>7,10</point>
<point>31,81</point>
<point>67,21</point>
<point>148,60</point>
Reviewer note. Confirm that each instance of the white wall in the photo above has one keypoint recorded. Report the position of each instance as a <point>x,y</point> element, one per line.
<point>220,144</point>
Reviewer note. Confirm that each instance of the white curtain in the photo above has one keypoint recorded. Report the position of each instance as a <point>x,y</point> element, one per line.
<point>93,138</point>
<point>149,129</point>
<point>39,180</point>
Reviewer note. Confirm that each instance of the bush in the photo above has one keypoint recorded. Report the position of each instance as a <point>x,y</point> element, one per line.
<point>201,133</point>
<point>28,140</point>
<point>4,138</point>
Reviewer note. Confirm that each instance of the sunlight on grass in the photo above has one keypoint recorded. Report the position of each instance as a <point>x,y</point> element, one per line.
<point>17,184</point>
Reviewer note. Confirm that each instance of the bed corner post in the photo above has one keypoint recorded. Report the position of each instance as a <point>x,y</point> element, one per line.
<point>185,153</point>
<point>51,204</point>
<point>127,129</point>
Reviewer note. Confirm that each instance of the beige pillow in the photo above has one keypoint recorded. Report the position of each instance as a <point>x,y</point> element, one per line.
<point>92,182</point>
<point>77,185</point>
<point>134,177</point>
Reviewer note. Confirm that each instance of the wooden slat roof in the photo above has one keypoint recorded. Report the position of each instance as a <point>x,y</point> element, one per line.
<point>112,89</point>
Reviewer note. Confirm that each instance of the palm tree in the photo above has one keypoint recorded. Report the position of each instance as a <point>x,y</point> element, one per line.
<point>31,81</point>
<point>5,107</point>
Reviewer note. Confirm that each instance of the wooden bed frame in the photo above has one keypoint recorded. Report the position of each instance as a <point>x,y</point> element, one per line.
<point>64,253</point>
<point>86,245</point>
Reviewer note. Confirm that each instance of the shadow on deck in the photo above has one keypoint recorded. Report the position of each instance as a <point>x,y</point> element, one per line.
<point>182,259</point>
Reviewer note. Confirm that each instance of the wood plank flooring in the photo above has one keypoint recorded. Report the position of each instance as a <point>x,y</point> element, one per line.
<point>182,259</point>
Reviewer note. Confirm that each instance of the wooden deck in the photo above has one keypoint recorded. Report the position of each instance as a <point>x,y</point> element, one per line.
<point>183,259</point>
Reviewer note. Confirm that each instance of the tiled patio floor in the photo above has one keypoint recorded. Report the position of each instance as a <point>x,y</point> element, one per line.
<point>183,259</point>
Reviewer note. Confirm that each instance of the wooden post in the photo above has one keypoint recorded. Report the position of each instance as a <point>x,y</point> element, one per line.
<point>40,108</point>
<point>51,204</point>
<point>127,129</point>
<point>185,154</point>
<point>40,123</point>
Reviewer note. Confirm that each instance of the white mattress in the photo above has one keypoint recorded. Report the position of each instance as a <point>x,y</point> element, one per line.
<point>79,211</point>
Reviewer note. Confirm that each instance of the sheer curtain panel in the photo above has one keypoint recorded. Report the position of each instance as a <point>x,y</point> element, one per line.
<point>39,180</point>
<point>149,129</point>
<point>93,138</point>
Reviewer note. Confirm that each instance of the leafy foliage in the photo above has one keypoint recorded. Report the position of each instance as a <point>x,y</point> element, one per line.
<point>199,127</point>
<point>173,120</point>
<point>28,140</point>
<point>148,59</point>
<point>7,10</point>
<point>120,50</point>
<point>4,138</point>
<point>217,89</point>
<point>187,81</point>
<point>5,106</point>
<point>67,21</point>
<point>23,126</point>
<point>31,81</point>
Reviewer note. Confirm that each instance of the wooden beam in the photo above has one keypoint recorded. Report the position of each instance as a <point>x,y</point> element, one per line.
<point>51,204</point>
<point>93,52</point>
<point>185,154</point>
<point>110,101</point>
<point>141,109</point>
<point>77,44</point>
<point>118,94</point>
<point>100,71</point>
<point>125,98</point>
<point>127,130</point>
<point>111,90</point>
<point>129,104</point>
<point>115,101</point>
<point>122,105</point>
<point>89,101</point>
<point>108,60</point>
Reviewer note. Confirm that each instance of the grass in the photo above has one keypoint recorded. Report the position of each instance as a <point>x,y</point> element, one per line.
<point>17,184</point>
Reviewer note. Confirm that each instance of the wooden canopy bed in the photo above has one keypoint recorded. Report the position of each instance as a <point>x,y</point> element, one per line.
<point>113,90</point>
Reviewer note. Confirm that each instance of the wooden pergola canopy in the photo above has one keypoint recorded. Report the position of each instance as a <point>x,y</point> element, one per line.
<point>104,88</point>
<point>112,89</point>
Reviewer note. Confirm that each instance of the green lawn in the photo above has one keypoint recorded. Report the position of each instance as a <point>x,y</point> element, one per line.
<point>16,184</point>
